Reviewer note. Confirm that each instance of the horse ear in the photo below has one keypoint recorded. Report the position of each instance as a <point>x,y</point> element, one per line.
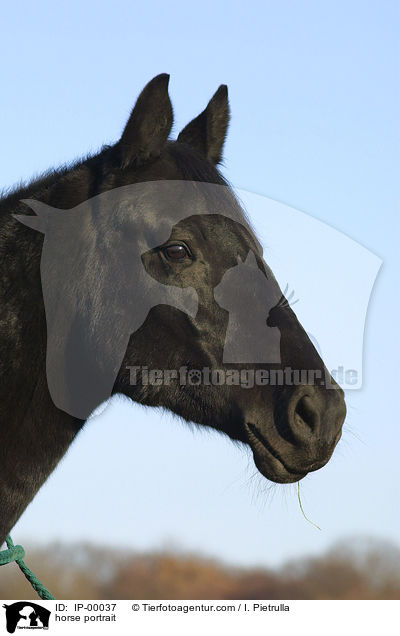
<point>149,124</point>
<point>40,222</point>
<point>207,132</point>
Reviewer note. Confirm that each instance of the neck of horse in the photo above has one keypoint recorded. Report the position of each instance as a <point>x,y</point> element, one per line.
<point>32,441</point>
<point>34,434</point>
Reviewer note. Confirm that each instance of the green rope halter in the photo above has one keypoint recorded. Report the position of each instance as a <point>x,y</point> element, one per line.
<point>16,553</point>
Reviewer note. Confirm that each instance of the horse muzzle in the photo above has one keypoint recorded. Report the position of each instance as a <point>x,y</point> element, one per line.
<point>301,436</point>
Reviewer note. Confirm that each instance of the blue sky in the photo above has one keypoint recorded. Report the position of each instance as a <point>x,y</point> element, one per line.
<point>314,95</point>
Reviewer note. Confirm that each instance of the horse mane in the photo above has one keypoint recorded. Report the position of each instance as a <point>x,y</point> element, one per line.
<point>91,168</point>
<point>40,185</point>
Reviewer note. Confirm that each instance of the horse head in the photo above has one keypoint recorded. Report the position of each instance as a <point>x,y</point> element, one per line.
<point>159,269</point>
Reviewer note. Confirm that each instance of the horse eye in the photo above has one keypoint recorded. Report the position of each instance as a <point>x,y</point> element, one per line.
<point>176,252</point>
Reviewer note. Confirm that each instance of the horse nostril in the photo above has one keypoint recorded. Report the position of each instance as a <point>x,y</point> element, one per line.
<point>306,413</point>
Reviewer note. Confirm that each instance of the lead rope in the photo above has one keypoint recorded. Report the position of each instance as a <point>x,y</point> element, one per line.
<point>16,553</point>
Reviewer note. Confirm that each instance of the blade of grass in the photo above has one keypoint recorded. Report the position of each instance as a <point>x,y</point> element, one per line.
<point>302,510</point>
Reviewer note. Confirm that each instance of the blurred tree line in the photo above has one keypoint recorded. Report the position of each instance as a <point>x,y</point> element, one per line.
<point>352,569</point>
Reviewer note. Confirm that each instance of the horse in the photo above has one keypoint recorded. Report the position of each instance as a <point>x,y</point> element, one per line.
<point>112,287</point>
